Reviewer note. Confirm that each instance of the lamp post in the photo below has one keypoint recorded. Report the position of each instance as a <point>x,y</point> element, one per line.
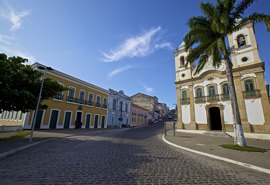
<point>44,68</point>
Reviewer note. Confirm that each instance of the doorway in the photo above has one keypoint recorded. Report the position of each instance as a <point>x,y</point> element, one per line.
<point>215,119</point>
<point>54,118</point>
<point>67,119</point>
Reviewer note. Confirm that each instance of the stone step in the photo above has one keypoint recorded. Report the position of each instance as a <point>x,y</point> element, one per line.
<point>216,133</point>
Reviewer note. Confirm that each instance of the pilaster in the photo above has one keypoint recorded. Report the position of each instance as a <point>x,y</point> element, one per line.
<point>179,109</point>
<point>192,109</point>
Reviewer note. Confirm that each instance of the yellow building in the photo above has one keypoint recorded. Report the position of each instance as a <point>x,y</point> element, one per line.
<point>83,101</point>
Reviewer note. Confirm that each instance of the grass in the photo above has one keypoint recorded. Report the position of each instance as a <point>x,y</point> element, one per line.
<point>243,148</point>
<point>18,134</point>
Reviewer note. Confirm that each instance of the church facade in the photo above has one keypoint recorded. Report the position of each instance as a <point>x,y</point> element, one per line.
<point>203,100</point>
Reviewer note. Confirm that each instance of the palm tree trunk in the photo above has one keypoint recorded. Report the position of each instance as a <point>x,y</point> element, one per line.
<point>239,138</point>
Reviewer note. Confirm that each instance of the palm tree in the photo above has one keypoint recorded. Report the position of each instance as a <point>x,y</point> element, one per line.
<point>207,39</point>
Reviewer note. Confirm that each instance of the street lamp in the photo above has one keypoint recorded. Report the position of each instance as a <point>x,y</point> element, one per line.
<point>44,68</point>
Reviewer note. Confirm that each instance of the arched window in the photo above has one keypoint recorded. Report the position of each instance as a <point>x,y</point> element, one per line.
<point>184,94</point>
<point>212,91</point>
<point>114,104</point>
<point>241,41</point>
<point>249,85</point>
<point>182,61</point>
<point>199,93</point>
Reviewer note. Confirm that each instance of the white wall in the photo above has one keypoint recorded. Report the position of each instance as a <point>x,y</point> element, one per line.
<point>200,114</point>
<point>254,111</point>
<point>186,114</point>
<point>228,115</point>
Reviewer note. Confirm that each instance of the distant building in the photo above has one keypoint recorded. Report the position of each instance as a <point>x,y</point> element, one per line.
<point>138,116</point>
<point>203,100</point>
<point>118,109</point>
<point>163,109</point>
<point>147,102</point>
<point>83,102</point>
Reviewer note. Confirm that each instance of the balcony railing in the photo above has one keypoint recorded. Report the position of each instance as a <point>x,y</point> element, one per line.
<point>185,101</point>
<point>225,97</point>
<point>90,103</point>
<point>81,101</point>
<point>252,94</point>
<point>59,97</point>
<point>200,99</point>
<point>104,106</point>
<point>97,104</point>
<point>70,98</point>
<point>214,98</point>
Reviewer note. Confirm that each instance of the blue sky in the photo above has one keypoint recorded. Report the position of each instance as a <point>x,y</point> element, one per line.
<point>118,44</point>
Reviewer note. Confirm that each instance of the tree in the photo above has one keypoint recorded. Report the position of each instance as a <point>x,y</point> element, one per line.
<point>20,85</point>
<point>207,39</point>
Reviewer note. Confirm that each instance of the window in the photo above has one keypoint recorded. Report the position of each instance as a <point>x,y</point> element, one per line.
<point>184,94</point>
<point>59,95</point>
<point>98,101</point>
<point>241,41</point>
<point>114,104</point>
<point>81,96</point>
<point>182,61</point>
<point>199,93</point>
<point>104,103</point>
<point>121,106</point>
<point>211,91</point>
<point>226,89</point>
<point>90,99</point>
<point>71,94</point>
<point>249,85</point>
<point>126,108</point>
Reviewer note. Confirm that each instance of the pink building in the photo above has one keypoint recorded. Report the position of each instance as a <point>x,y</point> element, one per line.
<point>138,116</point>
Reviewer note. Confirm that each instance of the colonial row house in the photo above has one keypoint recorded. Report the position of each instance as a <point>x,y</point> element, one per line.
<point>203,99</point>
<point>82,102</point>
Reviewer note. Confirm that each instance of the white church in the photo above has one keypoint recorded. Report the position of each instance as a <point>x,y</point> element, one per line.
<point>203,99</point>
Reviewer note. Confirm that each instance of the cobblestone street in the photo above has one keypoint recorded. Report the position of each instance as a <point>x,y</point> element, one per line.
<point>121,156</point>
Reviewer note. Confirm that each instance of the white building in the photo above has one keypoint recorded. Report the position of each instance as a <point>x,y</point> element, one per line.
<point>203,99</point>
<point>118,109</point>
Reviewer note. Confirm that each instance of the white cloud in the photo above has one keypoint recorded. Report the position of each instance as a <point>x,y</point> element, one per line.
<point>16,18</point>
<point>147,88</point>
<point>118,70</point>
<point>137,46</point>
<point>164,45</point>
<point>10,46</point>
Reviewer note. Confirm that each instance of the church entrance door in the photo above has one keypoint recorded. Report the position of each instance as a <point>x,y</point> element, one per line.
<point>215,119</point>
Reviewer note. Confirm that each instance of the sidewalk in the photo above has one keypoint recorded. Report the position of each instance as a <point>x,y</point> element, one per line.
<point>211,145</point>
<point>12,146</point>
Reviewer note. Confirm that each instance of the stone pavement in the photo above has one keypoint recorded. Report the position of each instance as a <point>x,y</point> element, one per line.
<point>120,156</point>
<point>211,144</point>
<point>12,146</point>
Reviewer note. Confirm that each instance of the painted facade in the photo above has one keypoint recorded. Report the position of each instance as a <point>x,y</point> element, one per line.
<point>83,101</point>
<point>138,116</point>
<point>148,102</point>
<point>118,109</point>
<point>204,99</point>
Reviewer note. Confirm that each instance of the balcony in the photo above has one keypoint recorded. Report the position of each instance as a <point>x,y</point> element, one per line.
<point>81,101</point>
<point>90,103</point>
<point>200,99</point>
<point>252,94</point>
<point>58,97</point>
<point>97,104</point>
<point>104,106</point>
<point>185,101</point>
<point>225,97</point>
<point>214,98</point>
<point>70,98</point>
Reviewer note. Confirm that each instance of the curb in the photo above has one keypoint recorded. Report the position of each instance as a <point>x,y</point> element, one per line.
<point>11,152</point>
<point>260,169</point>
